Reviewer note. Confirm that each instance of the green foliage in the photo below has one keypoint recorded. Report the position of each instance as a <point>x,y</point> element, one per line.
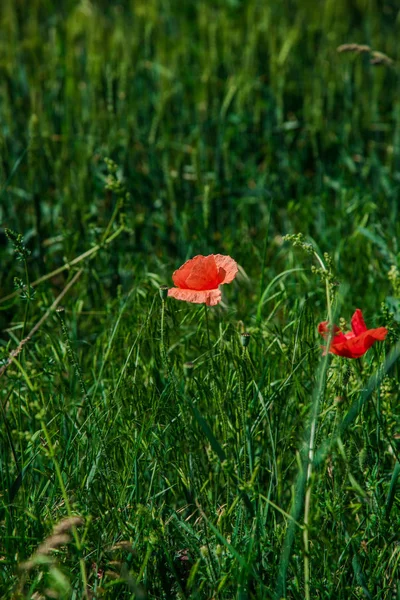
<point>154,449</point>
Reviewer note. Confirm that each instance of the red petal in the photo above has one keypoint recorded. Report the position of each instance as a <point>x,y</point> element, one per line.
<point>227,268</point>
<point>323,329</point>
<point>349,335</point>
<point>357,323</point>
<point>358,345</point>
<point>379,333</point>
<point>209,297</point>
<point>341,349</point>
<point>340,338</point>
<point>180,276</point>
<point>203,274</point>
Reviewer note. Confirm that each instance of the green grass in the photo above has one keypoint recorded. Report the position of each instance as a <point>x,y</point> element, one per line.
<point>230,124</point>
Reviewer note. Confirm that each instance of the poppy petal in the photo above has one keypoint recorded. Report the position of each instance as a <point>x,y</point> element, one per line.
<point>323,329</point>
<point>342,349</point>
<point>356,342</point>
<point>358,345</point>
<point>349,335</point>
<point>340,338</point>
<point>227,268</point>
<point>209,297</point>
<point>379,333</point>
<point>361,343</point>
<point>203,274</point>
<point>180,276</point>
<point>358,325</point>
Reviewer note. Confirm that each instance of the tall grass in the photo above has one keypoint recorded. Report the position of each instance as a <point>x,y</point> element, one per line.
<point>145,452</point>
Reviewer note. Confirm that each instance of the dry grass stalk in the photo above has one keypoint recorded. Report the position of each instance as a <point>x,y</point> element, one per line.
<point>67,524</point>
<point>59,537</point>
<point>123,545</point>
<point>379,58</point>
<point>353,48</point>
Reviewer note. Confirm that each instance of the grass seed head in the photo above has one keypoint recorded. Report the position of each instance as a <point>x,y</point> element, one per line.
<point>358,48</point>
<point>52,543</point>
<point>67,524</point>
<point>123,545</point>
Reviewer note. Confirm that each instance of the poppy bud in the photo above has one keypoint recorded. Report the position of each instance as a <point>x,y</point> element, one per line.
<point>163,292</point>
<point>188,369</point>
<point>245,339</point>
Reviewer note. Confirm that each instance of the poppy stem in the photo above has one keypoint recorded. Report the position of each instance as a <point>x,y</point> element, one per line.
<point>164,356</point>
<point>210,349</point>
<point>207,329</point>
<point>213,378</point>
<point>243,408</point>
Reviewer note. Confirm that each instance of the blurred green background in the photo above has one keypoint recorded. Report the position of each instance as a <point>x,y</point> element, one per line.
<point>230,121</point>
<point>231,124</point>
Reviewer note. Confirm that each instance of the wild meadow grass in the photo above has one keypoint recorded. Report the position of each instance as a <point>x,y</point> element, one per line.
<point>152,448</point>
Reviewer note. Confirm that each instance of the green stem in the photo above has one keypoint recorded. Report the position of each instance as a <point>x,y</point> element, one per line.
<point>392,490</point>
<point>117,208</point>
<point>145,561</point>
<point>243,407</point>
<point>307,507</point>
<point>66,501</point>
<point>311,451</point>
<point>213,378</point>
<point>68,265</point>
<point>72,356</point>
<point>27,299</point>
<point>327,290</point>
<point>164,356</point>
<point>208,329</point>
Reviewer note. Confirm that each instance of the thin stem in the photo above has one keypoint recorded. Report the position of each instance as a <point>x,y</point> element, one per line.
<point>208,329</point>
<point>14,353</point>
<point>72,356</point>
<point>117,208</point>
<point>311,451</point>
<point>307,506</point>
<point>27,298</point>
<point>68,265</point>
<point>328,295</point>
<point>213,377</point>
<point>162,329</point>
<point>66,500</point>
<point>210,348</point>
<point>243,408</point>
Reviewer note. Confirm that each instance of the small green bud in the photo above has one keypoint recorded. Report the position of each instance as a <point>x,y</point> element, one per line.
<point>245,339</point>
<point>163,292</point>
<point>188,369</point>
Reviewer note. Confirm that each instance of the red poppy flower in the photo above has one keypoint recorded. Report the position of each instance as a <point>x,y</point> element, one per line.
<point>198,280</point>
<point>356,342</point>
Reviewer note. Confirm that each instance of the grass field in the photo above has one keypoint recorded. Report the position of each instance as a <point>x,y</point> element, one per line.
<point>145,450</point>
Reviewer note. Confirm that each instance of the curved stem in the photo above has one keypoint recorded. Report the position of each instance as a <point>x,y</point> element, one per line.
<point>311,450</point>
